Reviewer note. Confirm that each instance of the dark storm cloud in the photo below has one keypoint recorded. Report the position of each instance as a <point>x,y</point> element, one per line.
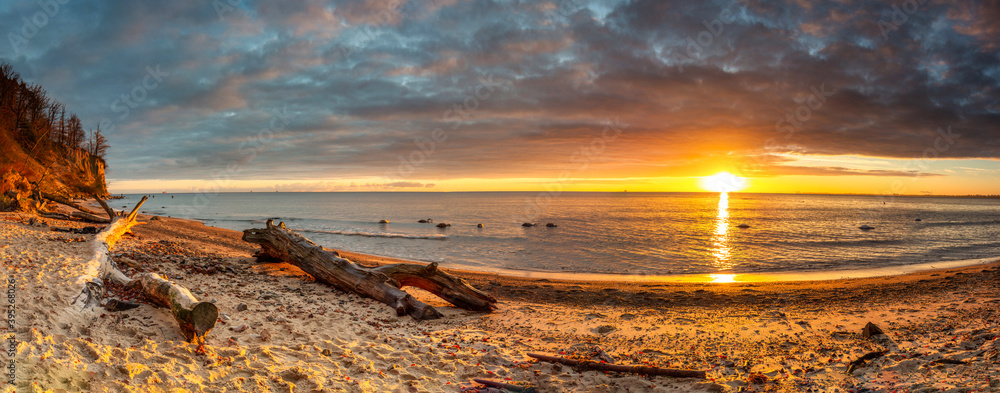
<point>518,89</point>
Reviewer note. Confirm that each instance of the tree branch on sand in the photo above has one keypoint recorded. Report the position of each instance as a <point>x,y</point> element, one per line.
<point>194,318</point>
<point>642,370</point>
<point>381,283</point>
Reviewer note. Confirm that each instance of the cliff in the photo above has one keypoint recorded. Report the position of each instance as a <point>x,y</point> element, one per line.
<point>51,168</point>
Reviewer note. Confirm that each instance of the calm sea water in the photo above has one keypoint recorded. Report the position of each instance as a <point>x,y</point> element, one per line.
<point>621,233</point>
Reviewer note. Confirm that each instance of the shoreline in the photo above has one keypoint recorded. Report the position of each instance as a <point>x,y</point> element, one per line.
<point>719,277</point>
<point>792,335</point>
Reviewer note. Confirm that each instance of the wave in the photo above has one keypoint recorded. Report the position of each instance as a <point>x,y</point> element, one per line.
<point>377,234</point>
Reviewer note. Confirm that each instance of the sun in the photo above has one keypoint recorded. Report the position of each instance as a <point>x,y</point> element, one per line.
<point>723,182</point>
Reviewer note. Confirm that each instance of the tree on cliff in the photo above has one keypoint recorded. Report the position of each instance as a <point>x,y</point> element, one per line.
<point>98,144</point>
<point>42,144</point>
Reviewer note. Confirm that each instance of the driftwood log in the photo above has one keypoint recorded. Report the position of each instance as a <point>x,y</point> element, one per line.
<point>643,370</point>
<point>381,283</point>
<point>194,318</point>
<point>505,386</point>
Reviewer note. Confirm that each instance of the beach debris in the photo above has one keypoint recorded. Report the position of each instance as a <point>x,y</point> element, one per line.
<point>550,225</point>
<point>859,362</point>
<point>505,386</point>
<point>381,283</point>
<point>480,225</point>
<point>744,226</point>
<point>195,319</point>
<point>528,224</point>
<point>870,330</point>
<point>155,218</point>
<point>443,225</point>
<point>756,378</point>
<point>605,329</point>
<point>642,370</point>
<point>239,329</point>
<point>241,307</point>
<point>866,227</point>
<point>114,305</point>
<point>265,335</point>
<point>128,262</point>
<point>383,221</point>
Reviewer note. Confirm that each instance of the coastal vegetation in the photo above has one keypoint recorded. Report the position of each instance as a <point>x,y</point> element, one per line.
<point>43,148</point>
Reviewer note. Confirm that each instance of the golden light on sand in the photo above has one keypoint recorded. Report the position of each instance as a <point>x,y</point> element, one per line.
<point>723,182</point>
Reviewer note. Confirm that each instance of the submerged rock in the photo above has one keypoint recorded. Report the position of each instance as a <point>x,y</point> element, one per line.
<point>443,225</point>
<point>744,226</point>
<point>866,227</point>
<point>383,222</point>
<point>527,224</point>
<point>550,225</point>
<point>479,225</point>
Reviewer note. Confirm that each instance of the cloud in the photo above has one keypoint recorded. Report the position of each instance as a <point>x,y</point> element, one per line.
<point>365,81</point>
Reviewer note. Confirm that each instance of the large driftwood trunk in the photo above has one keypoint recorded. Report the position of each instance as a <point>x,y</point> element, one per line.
<point>194,318</point>
<point>381,283</point>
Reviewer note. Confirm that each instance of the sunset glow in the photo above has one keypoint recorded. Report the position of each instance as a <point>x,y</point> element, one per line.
<point>723,182</point>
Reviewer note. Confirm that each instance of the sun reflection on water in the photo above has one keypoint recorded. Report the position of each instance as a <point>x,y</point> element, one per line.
<point>720,246</point>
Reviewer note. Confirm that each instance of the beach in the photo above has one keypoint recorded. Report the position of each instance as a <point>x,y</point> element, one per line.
<point>280,330</point>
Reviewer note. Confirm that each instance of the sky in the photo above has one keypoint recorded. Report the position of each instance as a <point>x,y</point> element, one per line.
<point>849,96</point>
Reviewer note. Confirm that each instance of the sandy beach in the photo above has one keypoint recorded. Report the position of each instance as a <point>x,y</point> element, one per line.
<point>282,331</point>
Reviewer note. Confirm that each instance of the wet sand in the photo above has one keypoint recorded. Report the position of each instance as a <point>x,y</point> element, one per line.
<point>299,335</point>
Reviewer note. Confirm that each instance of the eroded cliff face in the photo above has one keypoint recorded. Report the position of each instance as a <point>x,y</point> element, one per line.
<point>69,172</point>
<point>88,171</point>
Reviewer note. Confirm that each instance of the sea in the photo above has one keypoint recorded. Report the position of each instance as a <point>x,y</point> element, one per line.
<point>620,234</point>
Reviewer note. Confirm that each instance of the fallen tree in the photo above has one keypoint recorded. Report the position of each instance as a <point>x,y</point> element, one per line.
<point>195,318</point>
<point>381,283</point>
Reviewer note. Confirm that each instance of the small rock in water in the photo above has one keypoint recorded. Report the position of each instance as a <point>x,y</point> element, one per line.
<point>479,225</point>
<point>383,222</point>
<point>918,220</point>
<point>871,330</point>
<point>241,307</point>
<point>527,224</point>
<point>423,221</point>
<point>443,225</point>
<point>744,226</point>
<point>866,227</point>
<point>551,225</point>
